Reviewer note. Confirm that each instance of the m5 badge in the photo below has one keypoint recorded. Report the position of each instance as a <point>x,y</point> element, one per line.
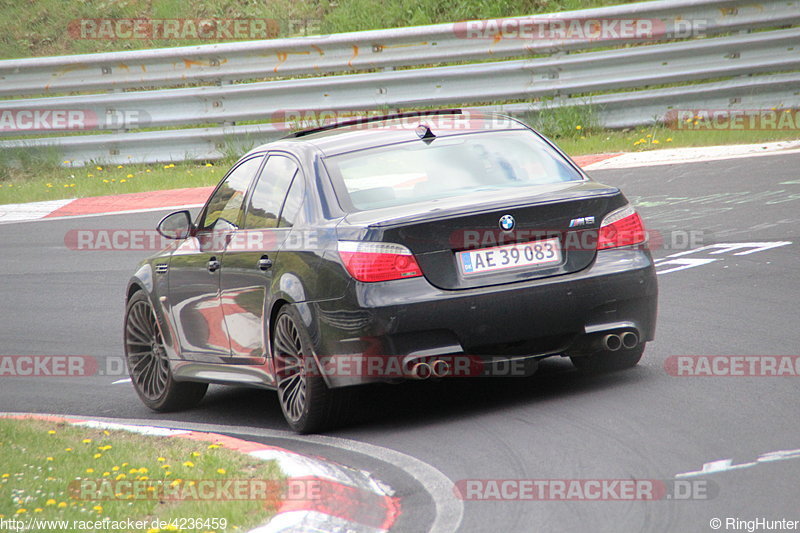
<point>583,221</point>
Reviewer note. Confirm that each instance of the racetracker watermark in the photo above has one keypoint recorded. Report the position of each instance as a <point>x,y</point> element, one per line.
<point>579,29</point>
<point>36,120</point>
<point>576,239</point>
<point>139,487</point>
<point>70,366</point>
<point>362,119</point>
<point>733,119</point>
<point>733,365</point>
<point>126,240</point>
<point>210,29</point>
<point>584,489</point>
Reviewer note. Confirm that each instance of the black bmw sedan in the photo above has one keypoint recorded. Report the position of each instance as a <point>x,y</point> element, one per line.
<point>442,244</point>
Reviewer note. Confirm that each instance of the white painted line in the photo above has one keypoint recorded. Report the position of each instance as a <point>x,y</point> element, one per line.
<point>678,156</point>
<point>30,211</point>
<point>126,380</point>
<point>3,220</point>
<point>725,465</point>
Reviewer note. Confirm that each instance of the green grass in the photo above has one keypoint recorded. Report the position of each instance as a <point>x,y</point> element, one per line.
<point>32,29</point>
<point>42,465</point>
<point>43,179</point>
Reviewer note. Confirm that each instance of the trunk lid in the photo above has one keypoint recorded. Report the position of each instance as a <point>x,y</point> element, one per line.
<point>437,231</point>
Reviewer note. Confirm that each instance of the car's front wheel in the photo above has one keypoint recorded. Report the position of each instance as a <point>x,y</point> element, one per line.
<point>306,401</point>
<point>608,361</point>
<point>148,364</point>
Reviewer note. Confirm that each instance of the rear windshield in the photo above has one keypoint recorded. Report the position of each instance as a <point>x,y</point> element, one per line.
<point>449,166</point>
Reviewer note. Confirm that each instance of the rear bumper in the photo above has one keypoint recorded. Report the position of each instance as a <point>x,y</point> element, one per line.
<point>413,319</point>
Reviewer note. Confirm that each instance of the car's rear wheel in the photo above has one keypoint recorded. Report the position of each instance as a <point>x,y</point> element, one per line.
<point>148,364</point>
<point>608,361</point>
<point>306,401</point>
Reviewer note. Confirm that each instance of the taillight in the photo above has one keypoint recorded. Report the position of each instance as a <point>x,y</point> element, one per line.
<point>378,261</point>
<point>622,227</point>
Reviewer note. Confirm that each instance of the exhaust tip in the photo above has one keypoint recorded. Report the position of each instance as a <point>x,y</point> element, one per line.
<point>630,340</point>
<point>421,371</point>
<point>440,368</point>
<point>612,342</point>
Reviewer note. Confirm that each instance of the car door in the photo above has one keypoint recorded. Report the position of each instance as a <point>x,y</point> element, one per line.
<point>194,268</point>
<point>247,265</point>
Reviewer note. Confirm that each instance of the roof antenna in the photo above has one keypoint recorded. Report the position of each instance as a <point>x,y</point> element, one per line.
<point>425,133</point>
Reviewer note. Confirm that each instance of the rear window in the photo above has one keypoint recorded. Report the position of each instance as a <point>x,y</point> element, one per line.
<point>449,166</point>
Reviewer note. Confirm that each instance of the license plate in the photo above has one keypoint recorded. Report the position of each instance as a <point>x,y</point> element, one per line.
<point>535,253</point>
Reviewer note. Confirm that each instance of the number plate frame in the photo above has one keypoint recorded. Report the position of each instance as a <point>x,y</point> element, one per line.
<point>468,262</point>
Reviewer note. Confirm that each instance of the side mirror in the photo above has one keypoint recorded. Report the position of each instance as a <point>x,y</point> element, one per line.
<point>177,225</point>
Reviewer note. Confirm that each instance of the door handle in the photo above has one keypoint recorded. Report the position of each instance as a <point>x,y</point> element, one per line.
<point>265,263</point>
<point>213,264</point>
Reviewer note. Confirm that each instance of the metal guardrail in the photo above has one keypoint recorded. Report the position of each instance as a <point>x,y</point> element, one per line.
<point>349,52</point>
<point>751,59</point>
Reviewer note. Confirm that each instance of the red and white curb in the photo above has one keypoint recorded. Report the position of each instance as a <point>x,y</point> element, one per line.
<point>196,197</point>
<point>347,500</point>
<point>136,202</point>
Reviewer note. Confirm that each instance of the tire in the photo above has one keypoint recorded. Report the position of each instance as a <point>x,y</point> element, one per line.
<point>148,364</point>
<point>606,361</point>
<point>308,405</point>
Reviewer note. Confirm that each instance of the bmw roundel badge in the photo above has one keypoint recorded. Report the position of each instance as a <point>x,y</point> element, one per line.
<point>507,223</point>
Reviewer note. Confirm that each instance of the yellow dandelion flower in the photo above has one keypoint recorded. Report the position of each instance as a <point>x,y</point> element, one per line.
<point>105,181</point>
<point>86,441</point>
<point>119,166</point>
<point>166,467</point>
<point>655,141</point>
<point>50,502</point>
<point>115,469</point>
<point>188,464</point>
<point>99,168</point>
<point>209,164</point>
<point>66,162</point>
<point>62,505</point>
<point>121,477</point>
<point>578,127</point>
<point>195,454</point>
<point>5,476</point>
<point>71,184</point>
<point>129,176</point>
<point>106,474</point>
<point>38,510</point>
<point>67,449</point>
<point>49,184</point>
<point>51,432</point>
<point>98,455</point>
<point>213,446</point>
<point>669,139</point>
<point>648,135</point>
<point>148,170</point>
<point>221,471</point>
<point>123,180</point>
<point>90,470</point>
<point>125,464</point>
<point>50,459</point>
<point>21,511</point>
<point>161,459</point>
<point>98,508</point>
<point>106,432</point>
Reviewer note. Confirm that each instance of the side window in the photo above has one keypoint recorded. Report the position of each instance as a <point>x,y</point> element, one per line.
<point>269,193</point>
<point>226,204</point>
<point>294,200</point>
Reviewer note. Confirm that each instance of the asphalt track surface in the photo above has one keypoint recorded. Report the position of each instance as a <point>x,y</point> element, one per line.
<point>643,423</point>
